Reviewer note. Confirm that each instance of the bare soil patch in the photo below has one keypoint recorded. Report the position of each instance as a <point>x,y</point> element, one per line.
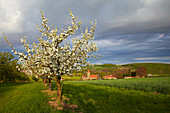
<point>63,105</point>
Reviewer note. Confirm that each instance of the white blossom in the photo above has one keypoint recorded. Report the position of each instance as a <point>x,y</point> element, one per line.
<point>21,40</point>
<point>15,52</point>
<point>53,54</point>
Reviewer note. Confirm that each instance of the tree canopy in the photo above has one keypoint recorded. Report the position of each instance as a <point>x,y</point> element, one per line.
<point>8,70</point>
<point>55,54</point>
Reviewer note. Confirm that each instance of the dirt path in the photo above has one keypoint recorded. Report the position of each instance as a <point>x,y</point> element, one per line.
<point>64,103</point>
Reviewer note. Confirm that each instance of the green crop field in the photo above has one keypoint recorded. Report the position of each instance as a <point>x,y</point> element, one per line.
<point>158,84</point>
<point>99,99</point>
<point>28,98</point>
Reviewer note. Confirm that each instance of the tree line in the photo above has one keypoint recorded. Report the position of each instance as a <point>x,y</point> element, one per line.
<point>116,71</point>
<point>153,68</point>
<point>8,70</point>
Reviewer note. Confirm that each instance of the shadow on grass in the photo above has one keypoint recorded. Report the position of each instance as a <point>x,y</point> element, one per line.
<point>100,99</point>
<point>24,98</point>
<point>13,83</point>
<point>89,99</point>
<point>4,87</point>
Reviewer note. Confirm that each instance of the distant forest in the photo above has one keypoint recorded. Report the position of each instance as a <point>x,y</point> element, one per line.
<point>120,71</point>
<point>153,68</point>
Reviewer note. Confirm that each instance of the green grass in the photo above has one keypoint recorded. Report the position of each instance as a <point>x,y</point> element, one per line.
<point>102,99</point>
<point>23,98</point>
<point>27,98</point>
<point>66,78</point>
<point>161,75</point>
<point>158,84</point>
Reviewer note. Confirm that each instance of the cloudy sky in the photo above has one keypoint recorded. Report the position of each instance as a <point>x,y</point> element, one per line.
<point>128,31</point>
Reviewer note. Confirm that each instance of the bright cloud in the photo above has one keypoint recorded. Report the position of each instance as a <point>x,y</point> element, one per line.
<point>158,38</point>
<point>152,58</point>
<point>10,17</point>
<point>108,43</point>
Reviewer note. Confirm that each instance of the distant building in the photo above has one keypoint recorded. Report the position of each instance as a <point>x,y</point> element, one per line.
<point>88,74</point>
<point>127,77</point>
<point>84,77</point>
<point>109,77</point>
<point>150,75</point>
<point>29,73</point>
<point>121,68</point>
<point>93,77</point>
<point>90,77</point>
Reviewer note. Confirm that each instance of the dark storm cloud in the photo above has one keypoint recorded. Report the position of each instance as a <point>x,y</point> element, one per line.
<point>127,31</point>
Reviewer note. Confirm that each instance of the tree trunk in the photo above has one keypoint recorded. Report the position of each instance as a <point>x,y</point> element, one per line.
<point>6,79</point>
<point>49,84</point>
<point>59,89</point>
<point>45,82</point>
<point>14,79</point>
<point>1,79</point>
<point>10,79</point>
<point>24,78</point>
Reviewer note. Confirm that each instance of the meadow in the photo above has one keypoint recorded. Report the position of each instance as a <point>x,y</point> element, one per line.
<point>23,98</point>
<point>156,84</point>
<point>28,98</point>
<point>99,99</point>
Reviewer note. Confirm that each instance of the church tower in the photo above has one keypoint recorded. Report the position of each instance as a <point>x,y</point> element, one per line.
<point>88,74</point>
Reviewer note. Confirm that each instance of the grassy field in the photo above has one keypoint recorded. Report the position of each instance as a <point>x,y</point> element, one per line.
<point>23,98</point>
<point>27,98</point>
<point>99,99</point>
<point>66,78</point>
<point>157,84</point>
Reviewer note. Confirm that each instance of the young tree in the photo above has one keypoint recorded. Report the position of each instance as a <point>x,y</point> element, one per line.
<point>8,69</point>
<point>119,74</point>
<point>141,71</point>
<point>129,71</point>
<point>56,56</point>
<point>161,72</point>
<point>102,74</point>
<point>5,59</point>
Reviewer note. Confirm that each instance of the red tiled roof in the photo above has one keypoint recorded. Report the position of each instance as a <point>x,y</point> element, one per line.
<point>93,76</point>
<point>84,76</point>
<point>108,76</point>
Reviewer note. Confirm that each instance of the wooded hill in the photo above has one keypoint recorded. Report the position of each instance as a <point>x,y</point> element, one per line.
<point>152,68</point>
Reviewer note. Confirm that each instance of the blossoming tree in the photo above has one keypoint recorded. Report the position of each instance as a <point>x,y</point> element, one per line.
<point>54,55</point>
